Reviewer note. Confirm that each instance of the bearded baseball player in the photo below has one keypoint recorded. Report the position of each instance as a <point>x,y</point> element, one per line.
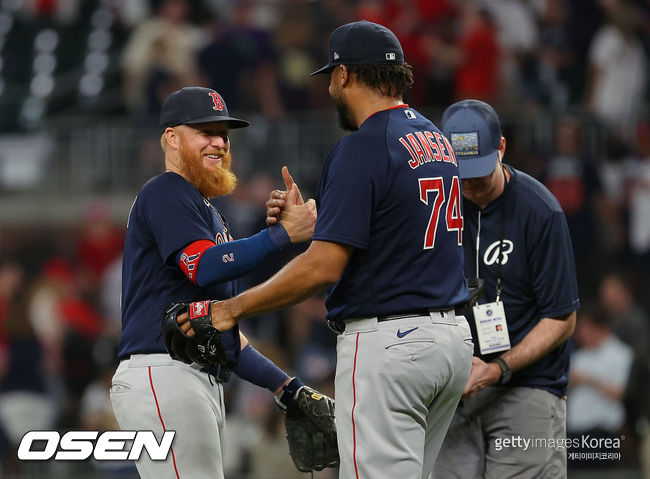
<point>179,252</point>
<point>387,243</point>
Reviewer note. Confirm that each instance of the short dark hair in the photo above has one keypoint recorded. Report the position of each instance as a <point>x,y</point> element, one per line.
<point>389,80</point>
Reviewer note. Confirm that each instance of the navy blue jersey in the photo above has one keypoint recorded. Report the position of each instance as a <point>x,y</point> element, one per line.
<point>538,271</point>
<point>392,191</point>
<point>168,214</point>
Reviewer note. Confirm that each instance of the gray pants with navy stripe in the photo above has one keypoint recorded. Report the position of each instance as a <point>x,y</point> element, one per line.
<point>506,433</point>
<point>397,386</point>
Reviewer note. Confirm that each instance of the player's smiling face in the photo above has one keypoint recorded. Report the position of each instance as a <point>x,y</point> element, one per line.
<point>211,140</point>
<point>204,152</point>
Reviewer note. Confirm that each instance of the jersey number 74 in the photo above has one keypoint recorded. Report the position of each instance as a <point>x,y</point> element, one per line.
<point>453,215</point>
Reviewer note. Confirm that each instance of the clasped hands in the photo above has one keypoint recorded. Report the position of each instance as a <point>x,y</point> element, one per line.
<point>295,215</point>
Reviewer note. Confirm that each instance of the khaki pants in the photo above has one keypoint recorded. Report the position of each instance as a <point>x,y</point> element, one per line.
<point>506,433</point>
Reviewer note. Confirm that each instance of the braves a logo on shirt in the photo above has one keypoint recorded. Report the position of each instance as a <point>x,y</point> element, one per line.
<point>491,255</point>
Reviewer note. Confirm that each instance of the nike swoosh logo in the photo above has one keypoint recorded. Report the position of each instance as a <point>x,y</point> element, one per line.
<point>401,334</point>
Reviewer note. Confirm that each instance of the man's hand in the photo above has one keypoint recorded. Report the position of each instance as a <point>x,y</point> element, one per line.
<point>288,207</point>
<point>483,375</point>
<point>204,346</point>
<point>278,199</point>
<point>298,220</point>
<point>223,318</point>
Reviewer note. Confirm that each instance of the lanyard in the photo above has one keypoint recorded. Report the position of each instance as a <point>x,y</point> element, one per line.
<point>499,289</point>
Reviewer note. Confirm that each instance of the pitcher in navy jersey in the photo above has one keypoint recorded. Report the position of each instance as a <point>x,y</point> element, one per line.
<point>388,245</point>
<point>517,240</point>
<point>179,249</point>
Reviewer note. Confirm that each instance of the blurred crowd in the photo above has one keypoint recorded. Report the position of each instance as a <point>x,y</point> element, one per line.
<point>532,54</point>
<point>535,54</point>
<point>583,63</point>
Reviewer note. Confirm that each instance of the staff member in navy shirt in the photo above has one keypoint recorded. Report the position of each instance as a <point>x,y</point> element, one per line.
<point>179,248</point>
<point>387,243</point>
<point>516,239</point>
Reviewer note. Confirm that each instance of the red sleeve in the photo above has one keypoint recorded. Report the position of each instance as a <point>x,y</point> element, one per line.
<point>190,257</point>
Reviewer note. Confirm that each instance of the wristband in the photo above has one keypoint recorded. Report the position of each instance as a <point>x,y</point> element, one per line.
<point>288,393</point>
<point>279,236</point>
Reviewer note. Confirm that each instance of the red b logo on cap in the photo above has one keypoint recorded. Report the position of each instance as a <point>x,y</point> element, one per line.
<point>216,99</point>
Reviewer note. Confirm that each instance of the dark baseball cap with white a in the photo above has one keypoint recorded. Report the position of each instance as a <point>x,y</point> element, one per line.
<point>194,104</point>
<point>362,42</point>
<point>474,130</point>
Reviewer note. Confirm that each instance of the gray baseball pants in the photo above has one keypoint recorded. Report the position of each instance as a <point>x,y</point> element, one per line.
<point>155,393</point>
<point>397,386</point>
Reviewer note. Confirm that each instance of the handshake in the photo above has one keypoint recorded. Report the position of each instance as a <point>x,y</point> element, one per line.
<point>205,347</point>
<point>309,423</point>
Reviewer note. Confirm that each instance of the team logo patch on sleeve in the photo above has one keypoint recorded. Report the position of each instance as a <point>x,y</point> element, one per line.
<point>465,144</point>
<point>190,257</point>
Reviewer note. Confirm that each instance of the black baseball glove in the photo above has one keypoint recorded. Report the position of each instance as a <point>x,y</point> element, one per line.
<point>204,348</point>
<point>310,426</point>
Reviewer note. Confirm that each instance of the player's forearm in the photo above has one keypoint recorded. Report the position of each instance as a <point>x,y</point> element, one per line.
<point>233,259</point>
<point>547,335</point>
<point>306,275</point>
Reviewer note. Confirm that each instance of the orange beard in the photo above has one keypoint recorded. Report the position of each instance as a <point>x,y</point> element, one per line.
<point>210,182</point>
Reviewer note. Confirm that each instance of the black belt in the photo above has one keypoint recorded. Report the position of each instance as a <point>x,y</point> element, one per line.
<point>338,325</point>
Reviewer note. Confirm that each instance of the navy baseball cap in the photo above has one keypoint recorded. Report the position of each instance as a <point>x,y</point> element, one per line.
<point>362,42</point>
<point>195,104</point>
<point>474,130</point>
